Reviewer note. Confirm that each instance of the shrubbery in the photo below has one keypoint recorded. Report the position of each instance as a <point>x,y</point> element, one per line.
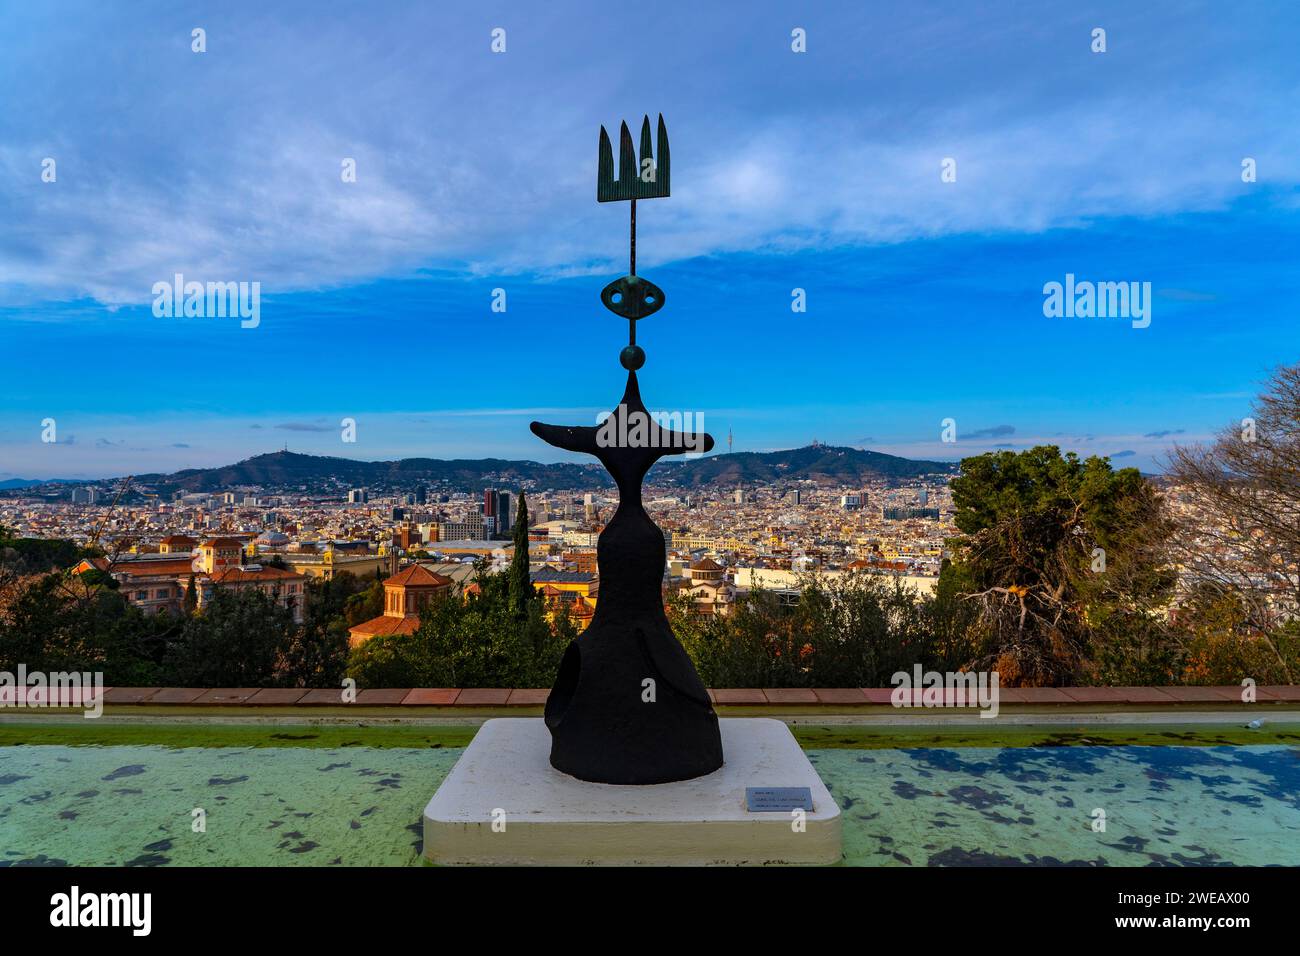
<point>851,631</point>
<point>483,641</point>
<point>61,622</point>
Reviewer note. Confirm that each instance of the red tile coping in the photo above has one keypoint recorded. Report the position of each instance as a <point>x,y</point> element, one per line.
<point>177,695</point>
<point>129,695</point>
<point>11,696</point>
<point>948,695</point>
<point>733,695</point>
<point>322,697</point>
<point>278,696</point>
<point>839,695</point>
<point>528,697</point>
<point>878,695</point>
<point>226,695</point>
<point>1033,695</point>
<point>1143,695</point>
<point>1094,695</point>
<point>435,696</point>
<point>790,695</point>
<point>1286,692</point>
<point>1204,695</point>
<point>1117,695</point>
<point>723,696</point>
<point>382,696</point>
<point>483,697</point>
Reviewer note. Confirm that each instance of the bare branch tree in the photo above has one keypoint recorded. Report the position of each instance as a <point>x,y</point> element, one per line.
<point>1237,507</point>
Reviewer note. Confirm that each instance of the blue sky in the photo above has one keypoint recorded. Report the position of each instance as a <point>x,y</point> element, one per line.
<point>476,171</point>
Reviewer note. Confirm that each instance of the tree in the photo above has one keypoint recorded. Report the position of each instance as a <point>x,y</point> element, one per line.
<point>363,605</point>
<point>521,582</point>
<point>1221,645</point>
<point>855,630</point>
<point>60,622</point>
<point>37,555</point>
<point>478,642</point>
<point>1238,529</point>
<point>1060,556</point>
<point>191,601</point>
<point>318,654</point>
<point>240,640</point>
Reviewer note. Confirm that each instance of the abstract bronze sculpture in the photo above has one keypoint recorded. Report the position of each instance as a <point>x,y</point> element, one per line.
<point>627,706</point>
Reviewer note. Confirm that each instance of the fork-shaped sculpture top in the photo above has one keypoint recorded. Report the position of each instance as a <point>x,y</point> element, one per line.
<point>646,179</point>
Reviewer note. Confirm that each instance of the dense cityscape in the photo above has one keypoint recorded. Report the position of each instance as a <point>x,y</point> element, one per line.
<point>720,541</point>
<point>1186,555</point>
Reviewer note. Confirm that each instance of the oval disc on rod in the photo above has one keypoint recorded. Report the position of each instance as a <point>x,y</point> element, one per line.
<point>632,297</point>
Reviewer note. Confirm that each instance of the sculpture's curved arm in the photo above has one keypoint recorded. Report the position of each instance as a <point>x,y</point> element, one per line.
<point>569,437</point>
<point>681,443</point>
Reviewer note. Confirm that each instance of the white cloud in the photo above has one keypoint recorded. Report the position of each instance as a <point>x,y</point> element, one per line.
<point>226,165</point>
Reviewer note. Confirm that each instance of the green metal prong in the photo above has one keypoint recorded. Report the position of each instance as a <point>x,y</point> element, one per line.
<point>661,165</point>
<point>605,186</point>
<point>627,177</point>
<point>646,153</point>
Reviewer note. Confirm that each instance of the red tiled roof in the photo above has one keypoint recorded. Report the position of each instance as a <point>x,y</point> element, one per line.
<point>417,576</point>
<point>384,625</point>
<point>149,569</point>
<point>222,543</point>
<point>239,575</point>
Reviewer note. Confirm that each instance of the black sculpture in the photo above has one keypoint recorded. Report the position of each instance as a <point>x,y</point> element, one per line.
<point>627,706</point>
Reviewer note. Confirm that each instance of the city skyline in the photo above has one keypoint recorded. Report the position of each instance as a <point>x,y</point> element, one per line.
<point>819,171</point>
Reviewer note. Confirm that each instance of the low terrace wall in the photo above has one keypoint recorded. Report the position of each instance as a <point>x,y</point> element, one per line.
<point>469,702</point>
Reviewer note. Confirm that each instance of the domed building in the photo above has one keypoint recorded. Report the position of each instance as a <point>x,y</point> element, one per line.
<point>710,591</point>
<point>271,541</point>
<point>405,595</point>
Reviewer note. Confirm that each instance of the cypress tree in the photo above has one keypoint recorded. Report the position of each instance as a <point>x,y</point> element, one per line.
<point>521,585</point>
<point>191,597</point>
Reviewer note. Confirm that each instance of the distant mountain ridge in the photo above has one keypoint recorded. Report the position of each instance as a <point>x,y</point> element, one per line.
<point>822,464</point>
<point>11,483</point>
<point>290,469</point>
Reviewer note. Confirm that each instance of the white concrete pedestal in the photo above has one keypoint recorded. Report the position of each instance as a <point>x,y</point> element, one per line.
<point>503,803</point>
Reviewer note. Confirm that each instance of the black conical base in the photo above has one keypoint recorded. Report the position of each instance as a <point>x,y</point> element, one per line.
<point>603,728</point>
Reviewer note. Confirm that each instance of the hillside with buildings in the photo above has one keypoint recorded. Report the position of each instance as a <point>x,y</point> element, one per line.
<point>823,465</point>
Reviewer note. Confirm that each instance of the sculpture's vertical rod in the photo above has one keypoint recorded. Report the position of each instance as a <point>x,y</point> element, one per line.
<point>631,323</point>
